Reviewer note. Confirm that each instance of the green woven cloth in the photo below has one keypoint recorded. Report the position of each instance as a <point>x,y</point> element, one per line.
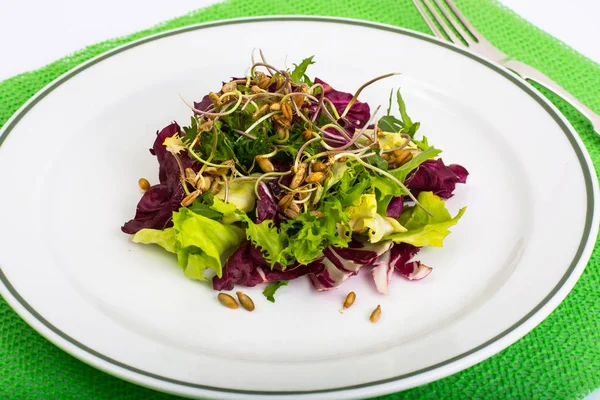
<point>560,359</point>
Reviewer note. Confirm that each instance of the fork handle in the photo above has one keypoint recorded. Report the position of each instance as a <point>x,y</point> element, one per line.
<point>528,72</point>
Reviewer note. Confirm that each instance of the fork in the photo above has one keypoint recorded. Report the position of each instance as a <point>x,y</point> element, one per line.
<point>476,42</point>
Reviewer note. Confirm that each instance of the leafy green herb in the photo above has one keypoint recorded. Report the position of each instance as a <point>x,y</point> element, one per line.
<point>378,161</point>
<point>389,123</point>
<point>406,121</point>
<point>247,149</point>
<point>205,210</point>
<point>190,131</point>
<point>270,290</point>
<point>300,70</point>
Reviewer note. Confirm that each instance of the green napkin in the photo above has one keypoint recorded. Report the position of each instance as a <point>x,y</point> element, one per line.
<point>560,359</point>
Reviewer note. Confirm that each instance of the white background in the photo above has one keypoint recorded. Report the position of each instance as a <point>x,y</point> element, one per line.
<point>36,32</point>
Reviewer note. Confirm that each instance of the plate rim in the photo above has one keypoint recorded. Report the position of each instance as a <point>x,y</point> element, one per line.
<point>455,364</point>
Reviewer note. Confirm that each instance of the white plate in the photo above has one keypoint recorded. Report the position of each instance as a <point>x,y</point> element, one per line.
<point>72,156</point>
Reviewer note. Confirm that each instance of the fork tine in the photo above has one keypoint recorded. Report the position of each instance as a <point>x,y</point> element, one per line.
<point>474,32</point>
<point>428,20</point>
<point>459,28</point>
<point>440,20</point>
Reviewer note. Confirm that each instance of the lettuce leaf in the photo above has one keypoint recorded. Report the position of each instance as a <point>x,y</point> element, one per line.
<point>267,238</point>
<point>165,238</point>
<point>229,211</point>
<point>200,242</point>
<point>365,218</point>
<point>423,229</point>
<point>308,234</point>
<point>203,242</point>
<point>241,193</point>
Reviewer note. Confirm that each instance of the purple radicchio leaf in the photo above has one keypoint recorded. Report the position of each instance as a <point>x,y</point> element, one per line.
<point>266,207</point>
<point>156,206</point>
<point>204,104</point>
<point>395,207</point>
<point>247,267</point>
<point>357,116</point>
<point>383,271</point>
<point>400,254</point>
<point>415,271</point>
<point>359,113</point>
<point>434,176</point>
<point>340,264</point>
<point>239,269</point>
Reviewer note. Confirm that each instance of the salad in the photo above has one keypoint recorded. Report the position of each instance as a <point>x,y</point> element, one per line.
<point>279,176</point>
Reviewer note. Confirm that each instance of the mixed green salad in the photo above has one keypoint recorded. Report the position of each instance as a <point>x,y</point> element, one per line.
<point>279,176</point>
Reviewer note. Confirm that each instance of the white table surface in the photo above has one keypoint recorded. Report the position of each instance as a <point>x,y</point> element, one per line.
<point>36,32</point>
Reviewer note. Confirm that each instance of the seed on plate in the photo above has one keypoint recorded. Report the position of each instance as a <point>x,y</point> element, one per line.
<point>189,199</point>
<point>282,120</point>
<point>286,110</point>
<point>255,89</point>
<point>245,301</point>
<point>260,111</point>
<point>227,300</point>
<point>286,201</point>
<point>190,176</point>
<point>264,82</point>
<point>206,126</point>
<point>144,184</point>
<point>280,81</point>
<point>204,182</point>
<point>216,186</point>
<point>319,166</point>
<point>264,164</point>
<point>215,99</point>
<point>375,314</point>
<point>229,87</point>
<point>292,211</point>
<point>299,176</point>
<point>349,299</point>
<point>315,177</point>
<point>275,107</point>
<point>402,157</point>
<point>298,100</point>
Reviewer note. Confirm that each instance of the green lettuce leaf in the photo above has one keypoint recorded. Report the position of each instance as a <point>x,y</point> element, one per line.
<point>267,238</point>
<point>166,238</point>
<point>241,194</point>
<point>365,218</point>
<point>423,229</point>
<point>309,234</point>
<point>203,242</point>
<point>229,211</point>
